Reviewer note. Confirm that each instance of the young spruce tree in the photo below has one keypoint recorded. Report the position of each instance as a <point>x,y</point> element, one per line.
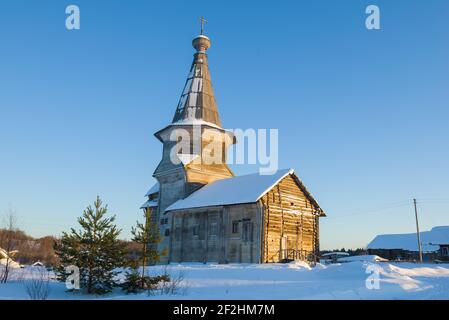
<point>147,236</point>
<point>94,249</point>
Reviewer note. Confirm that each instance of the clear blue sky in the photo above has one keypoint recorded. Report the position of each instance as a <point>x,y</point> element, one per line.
<point>362,115</point>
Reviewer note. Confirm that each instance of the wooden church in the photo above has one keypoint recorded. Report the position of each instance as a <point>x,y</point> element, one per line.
<point>205,213</point>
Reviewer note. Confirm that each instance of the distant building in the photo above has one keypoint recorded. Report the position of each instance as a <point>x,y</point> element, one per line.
<point>38,264</point>
<point>204,212</point>
<point>435,245</point>
<point>332,257</point>
<point>6,258</point>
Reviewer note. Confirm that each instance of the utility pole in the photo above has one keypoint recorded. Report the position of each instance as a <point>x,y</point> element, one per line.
<point>417,232</point>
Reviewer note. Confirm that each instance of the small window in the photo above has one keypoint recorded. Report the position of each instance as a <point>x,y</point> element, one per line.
<point>195,230</point>
<point>167,232</point>
<point>162,221</point>
<point>445,251</point>
<point>235,227</point>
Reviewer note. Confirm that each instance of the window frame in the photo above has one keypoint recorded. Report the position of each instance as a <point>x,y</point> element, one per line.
<point>235,226</point>
<point>196,230</point>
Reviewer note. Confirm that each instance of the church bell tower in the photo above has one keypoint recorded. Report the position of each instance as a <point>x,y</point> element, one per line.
<point>194,144</point>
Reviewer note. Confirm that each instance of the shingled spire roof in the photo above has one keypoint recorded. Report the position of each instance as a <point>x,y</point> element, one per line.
<point>197,102</point>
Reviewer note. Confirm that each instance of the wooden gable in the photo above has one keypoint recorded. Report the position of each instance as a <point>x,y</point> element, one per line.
<point>290,222</point>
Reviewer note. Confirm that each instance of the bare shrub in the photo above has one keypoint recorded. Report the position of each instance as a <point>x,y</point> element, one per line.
<point>37,284</point>
<point>7,245</point>
<point>175,284</point>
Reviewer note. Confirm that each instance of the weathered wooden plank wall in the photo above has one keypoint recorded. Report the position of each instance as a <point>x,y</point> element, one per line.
<point>284,214</point>
<point>288,212</point>
<point>206,234</point>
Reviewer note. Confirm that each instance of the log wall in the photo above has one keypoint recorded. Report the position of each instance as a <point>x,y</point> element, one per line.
<point>290,214</point>
<point>208,235</point>
<point>284,224</point>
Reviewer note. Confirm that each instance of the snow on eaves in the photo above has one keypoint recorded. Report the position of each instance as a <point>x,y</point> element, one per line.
<point>149,204</point>
<point>190,122</point>
<point>187,158</point>
<point>430,240</point>
<point>241,189</point>
<point>154,189</point>
<point>195,122</point>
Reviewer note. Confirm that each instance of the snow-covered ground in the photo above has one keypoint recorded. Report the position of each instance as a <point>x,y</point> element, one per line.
<point>279,281</point>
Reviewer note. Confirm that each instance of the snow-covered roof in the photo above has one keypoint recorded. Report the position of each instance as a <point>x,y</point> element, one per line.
<point>241,189</point>
<point>197,101</point>
<point>7,255</point>
<point>330,254</point>
<point>154,189</point>
<point>149,204</point>
<point>6,258</point>
<point>408,241</point>
<point>369,258</point>
<point>195,122</point>
<point>187,158</point>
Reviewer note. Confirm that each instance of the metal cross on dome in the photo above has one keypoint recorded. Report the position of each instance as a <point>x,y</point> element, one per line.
<point>203,21</point>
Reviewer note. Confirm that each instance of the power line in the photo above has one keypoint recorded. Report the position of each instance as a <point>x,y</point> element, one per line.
<point>393,205</point>
<point>374,211</point>
<point>435,200</point>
